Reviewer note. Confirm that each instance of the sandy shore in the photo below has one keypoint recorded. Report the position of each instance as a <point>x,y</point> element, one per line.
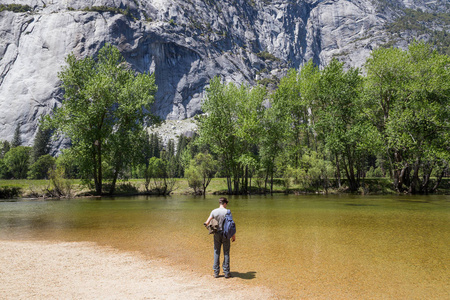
<point>50,270</point>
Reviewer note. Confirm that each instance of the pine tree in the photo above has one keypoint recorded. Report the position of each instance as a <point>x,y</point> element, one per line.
<point>41,144</point>
<point>17,140</point>
<point>5,146</point>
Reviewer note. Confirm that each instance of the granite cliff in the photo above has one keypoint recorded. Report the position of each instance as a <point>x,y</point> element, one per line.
<point>185,43</point>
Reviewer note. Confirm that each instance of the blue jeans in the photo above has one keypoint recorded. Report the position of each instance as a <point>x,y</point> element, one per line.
<point>219,240</point>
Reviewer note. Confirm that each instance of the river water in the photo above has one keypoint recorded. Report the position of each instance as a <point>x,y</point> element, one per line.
<point>325,247</point>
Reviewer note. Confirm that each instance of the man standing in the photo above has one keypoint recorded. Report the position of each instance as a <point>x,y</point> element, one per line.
<point>219,215</point>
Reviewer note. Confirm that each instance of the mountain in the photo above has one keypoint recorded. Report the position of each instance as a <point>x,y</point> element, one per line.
<point>188,42</point>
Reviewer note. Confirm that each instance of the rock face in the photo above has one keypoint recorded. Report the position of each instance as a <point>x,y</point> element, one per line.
<point>184,42</point>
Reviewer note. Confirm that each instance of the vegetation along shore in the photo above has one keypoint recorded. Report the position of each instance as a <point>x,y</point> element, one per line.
<point>321,130</point>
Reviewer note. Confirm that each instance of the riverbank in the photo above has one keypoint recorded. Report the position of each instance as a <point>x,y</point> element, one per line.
<point>82,270</point>
<point>74,188</point>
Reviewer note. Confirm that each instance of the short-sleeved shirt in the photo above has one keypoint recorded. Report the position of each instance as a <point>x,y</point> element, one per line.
<point>219,215</point>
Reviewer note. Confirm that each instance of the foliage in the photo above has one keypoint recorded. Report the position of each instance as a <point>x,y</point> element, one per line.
<point>17,140</point>
<point>59,185</point>
<point>194,178</point>
<point>17,160</point>
<point>201,170</point>
<point>68,162</point>
<point>7,192</point>
<point>230,127</point>
<point>4,171</point>
<point>41,145</point>
<point>113,10</point>
<point>265,55</point>
<point>160,180</point>
<point>4,148</point>
<point>17,8</point>
<point>420,23</point>
<point>408,94</point>
<point>104,109</point>
<point>40,168</point>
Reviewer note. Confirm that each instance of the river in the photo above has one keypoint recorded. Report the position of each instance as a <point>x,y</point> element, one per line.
<point>335,247</point>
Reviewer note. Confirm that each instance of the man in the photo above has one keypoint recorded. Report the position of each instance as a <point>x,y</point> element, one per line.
<point>219,215</point>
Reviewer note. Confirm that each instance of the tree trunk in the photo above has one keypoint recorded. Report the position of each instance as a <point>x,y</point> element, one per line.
<point>439,179</point>
<point>338,172</point>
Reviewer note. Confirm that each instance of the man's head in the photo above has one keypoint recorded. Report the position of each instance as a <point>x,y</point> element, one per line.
<point>223,201</point>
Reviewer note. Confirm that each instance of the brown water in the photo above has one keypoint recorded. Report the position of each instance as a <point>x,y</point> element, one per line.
<point>325,247</point>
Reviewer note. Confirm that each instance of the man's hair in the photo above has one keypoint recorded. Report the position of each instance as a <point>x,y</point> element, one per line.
<point>223,200</point>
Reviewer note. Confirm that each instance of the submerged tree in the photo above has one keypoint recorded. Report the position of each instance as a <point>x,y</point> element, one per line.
<point>103,112</point>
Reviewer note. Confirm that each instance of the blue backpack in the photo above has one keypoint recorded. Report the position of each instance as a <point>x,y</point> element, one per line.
<point>229,227</point>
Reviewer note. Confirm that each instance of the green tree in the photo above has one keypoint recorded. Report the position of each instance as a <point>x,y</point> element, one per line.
<point>17,140</point>
<point>4,148</point>
<point>206,167</point>
<point>40,168</point>
<point>41,145</point>
<point>231,127</point>
<point>339,121</point>
<point>408,99</point>
<point>218,129</point>
<point>163,183</point>
<point>104,108</point>
<point>17,160</point>
<point>4,171</point>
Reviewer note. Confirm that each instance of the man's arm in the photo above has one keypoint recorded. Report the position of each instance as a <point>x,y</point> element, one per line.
<point>207,221</point>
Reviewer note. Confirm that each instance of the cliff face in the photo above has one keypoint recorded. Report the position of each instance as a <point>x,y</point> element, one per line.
<point>184,42</point>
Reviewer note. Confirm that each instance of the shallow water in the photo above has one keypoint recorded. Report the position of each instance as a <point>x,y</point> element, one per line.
<point>335,247</point>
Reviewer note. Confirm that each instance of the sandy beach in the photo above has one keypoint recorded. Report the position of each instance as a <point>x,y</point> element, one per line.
<point>82,270</point>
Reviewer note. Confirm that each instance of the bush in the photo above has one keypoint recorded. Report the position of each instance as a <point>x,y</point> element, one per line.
<point>7,192</point>
<point>194,179</point>
<point>17,8</point>
<point>372,173</point>
<point>60,186</point>
<point>4,171</point>
<point>39,170</point>
<point>17,160</point>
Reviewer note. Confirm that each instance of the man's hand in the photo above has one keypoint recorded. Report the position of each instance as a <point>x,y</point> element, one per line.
<point>233,238</point>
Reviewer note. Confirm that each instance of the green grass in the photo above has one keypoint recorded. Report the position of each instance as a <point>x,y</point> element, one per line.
<point>37,188</point>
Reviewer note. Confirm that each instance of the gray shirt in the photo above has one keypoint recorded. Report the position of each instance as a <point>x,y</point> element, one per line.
<point>219,215</point>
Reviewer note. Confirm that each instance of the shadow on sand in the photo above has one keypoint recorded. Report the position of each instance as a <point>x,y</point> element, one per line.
<point>247,276</point>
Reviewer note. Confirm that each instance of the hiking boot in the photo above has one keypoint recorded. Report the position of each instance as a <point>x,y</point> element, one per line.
<point>228,275</point>
<point>216,275</point>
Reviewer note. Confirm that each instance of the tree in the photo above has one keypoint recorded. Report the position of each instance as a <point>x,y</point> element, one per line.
<point>4,171</point>
<point>163,183</point>
<point>4,148</point>
<point>230,127</point>
<point>103,112</point>
<point>17,140</point>
<point>340,122</point>
<point>41,145</point>
<point>206,167</point>
<point>17,160</point>
<point>40,168</point>
<point>218,127</point>
<point>408,100</point>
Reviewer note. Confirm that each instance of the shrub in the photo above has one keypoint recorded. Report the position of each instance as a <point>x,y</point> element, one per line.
<point>265,55</point>
<point>17,160</point>
<point>7,192</point>
<point>194,179</point>
<point>39,170</point>
<point>4,171</point>
<point>17,8</point>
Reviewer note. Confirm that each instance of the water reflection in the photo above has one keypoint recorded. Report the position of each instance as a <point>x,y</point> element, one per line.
<point>302,246</point>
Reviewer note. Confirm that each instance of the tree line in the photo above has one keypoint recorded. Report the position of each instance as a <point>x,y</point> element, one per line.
<point>320,128</point>
<point>336,123</point>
